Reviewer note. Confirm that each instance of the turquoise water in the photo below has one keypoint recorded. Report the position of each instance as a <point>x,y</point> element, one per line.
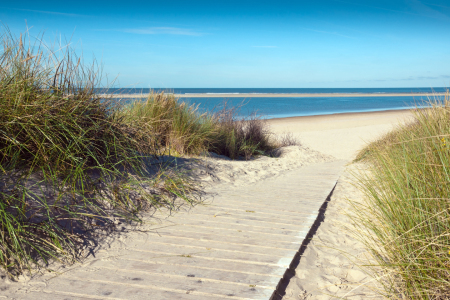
<point>281,107</point>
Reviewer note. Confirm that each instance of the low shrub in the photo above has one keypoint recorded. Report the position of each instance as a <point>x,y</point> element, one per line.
<point>174,124</point>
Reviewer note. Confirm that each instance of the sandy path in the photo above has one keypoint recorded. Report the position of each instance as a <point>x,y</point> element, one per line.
<point>327,267</point>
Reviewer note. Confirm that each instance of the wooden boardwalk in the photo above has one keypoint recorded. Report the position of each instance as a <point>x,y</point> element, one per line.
<point>237,247</point>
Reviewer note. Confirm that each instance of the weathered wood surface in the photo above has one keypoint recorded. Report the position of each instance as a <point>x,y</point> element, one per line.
<point>238,246</point>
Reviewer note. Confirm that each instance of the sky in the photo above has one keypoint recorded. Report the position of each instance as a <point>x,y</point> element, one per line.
<point>270,44</point>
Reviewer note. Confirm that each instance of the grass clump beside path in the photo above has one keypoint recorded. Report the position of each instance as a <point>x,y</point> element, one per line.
<point>73,160</point>
<point>405,220</point>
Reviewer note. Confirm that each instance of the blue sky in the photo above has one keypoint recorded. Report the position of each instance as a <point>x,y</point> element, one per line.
<point>320,43</point>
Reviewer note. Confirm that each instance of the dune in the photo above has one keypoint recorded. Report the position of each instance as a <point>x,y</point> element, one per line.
<point>267,231</point>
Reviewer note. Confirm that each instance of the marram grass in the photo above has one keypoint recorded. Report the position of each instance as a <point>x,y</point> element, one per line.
<point>73,160</point>
<point>174,124</point>
<point>405,219</point>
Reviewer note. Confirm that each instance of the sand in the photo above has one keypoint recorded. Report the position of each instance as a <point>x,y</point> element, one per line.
<point>339,135</point>
<point>330,266</point>
<point>324,270</point>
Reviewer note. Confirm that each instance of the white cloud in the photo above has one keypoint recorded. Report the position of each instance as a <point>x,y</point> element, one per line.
<point>50,12</point>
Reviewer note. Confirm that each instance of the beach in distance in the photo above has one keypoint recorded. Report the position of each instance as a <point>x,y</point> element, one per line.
<point>196,198</point>
<point>340,135</point>
<point>273,226</point>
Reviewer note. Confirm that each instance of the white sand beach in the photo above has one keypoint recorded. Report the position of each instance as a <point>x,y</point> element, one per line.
<point>224,150</point>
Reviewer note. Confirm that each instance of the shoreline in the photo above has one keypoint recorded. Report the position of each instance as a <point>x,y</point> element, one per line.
<point>284,95</point>
<point>344,114</point>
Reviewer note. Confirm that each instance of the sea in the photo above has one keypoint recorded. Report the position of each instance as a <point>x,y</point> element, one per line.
<point>281,107</point>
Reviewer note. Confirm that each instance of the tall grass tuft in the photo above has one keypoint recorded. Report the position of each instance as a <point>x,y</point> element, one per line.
<point>68,161</point>
<point>236,137</point>
<point>174,124</point>
<point>405,219</point>
<point>181,127</point>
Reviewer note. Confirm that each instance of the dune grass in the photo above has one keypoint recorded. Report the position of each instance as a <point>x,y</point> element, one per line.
<point>245,137</point>
<point>74,161</point>
<point>68,162</point>
<point>175,125</point>
<point>405,219</point>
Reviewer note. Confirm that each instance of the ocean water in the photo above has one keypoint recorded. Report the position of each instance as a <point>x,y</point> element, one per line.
<point>275,90</point>
<point>282,107</point>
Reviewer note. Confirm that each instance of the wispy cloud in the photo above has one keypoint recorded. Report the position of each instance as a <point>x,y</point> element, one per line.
<point>265,46</point>
<point>329,32</point>
<point>436,5</point>
<point>410,78</point>
<point>50,12</point>
<point>427,11</point>
<point>418,12</point>
<point>163,30</point>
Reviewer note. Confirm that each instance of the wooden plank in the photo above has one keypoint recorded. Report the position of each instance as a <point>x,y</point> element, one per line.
<point>236,247</point>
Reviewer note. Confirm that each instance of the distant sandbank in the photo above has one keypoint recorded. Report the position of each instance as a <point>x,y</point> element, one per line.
<point>283,95</point>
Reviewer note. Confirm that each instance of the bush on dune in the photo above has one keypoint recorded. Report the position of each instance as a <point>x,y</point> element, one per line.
<point>405,220</point>
<point>236,137</point>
